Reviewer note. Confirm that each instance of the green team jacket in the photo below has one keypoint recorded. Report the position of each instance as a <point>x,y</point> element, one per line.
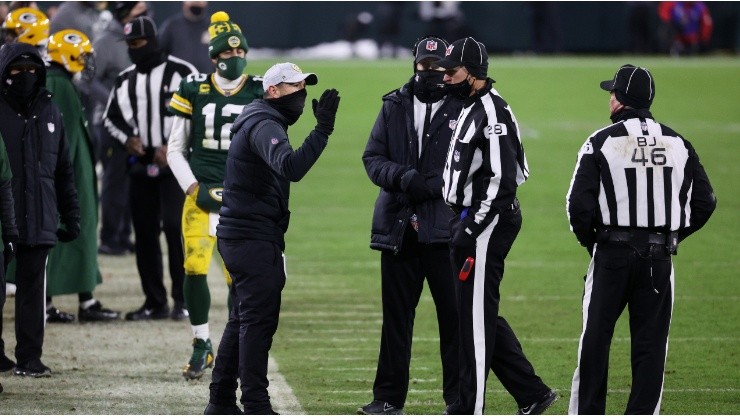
<point>73,266</point>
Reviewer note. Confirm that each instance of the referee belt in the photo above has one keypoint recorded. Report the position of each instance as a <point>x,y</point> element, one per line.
<point>631,235</point>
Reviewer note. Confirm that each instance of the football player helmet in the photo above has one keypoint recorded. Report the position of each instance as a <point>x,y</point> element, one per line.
<point>27,25</point>
<point>73,50</point>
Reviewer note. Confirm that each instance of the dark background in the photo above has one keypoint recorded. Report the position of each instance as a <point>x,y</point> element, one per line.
<point>570,27</point>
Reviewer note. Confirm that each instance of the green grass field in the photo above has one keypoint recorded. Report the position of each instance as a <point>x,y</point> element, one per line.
<point>327,343</point>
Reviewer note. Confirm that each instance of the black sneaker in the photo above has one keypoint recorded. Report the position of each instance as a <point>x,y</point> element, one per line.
<point>96,313</point>
<point>143,314</point>
<point>216,409</point>
<point>179,313</point>
<point>34,368</point>
<point>54,315</point>
<point>539,407</point>
<point>6,364</point>
<point>378,407</point>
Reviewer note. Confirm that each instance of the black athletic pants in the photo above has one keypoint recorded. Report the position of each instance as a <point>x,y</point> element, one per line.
<point>2,300</point>
<point>486,339</point>
<point>258,277</point>
<point>156,206</point>
<point>115,212</point>
<point>641,278</point>
<point>30,302</point>
<point>402,283</point>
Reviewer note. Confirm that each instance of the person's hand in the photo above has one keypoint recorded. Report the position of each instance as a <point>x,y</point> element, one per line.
<point>134,146</point>
<point>11,245</point>
<point>160,156</point>
<point>459,237</point>
<point>415,185</point>
<point>69,233</point>
<point>192,188</point>
<point>325,111</point>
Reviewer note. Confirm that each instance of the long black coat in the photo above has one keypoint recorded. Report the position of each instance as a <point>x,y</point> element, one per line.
<point>43,179</point>
<point>391,151</point>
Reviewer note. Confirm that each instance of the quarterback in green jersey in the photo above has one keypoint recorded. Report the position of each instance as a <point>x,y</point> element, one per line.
<point>205,106</point>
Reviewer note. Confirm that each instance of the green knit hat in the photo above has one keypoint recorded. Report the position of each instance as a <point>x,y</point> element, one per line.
<point>224,35</point>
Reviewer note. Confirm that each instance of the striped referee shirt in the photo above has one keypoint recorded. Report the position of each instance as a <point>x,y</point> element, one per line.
<point>641,174</point>
<point>138,102</point>
<point>485,160</point>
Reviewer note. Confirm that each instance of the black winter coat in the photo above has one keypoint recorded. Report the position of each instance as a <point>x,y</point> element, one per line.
<point>43,180</point>
<point>259,168</point>
<point>391,151</point>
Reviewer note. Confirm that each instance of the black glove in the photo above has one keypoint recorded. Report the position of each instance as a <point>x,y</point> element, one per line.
<point>458,236</point>
<point>415,185</point>
<point>65,235</point>
<point>11,245</point>
<point>325,111</point>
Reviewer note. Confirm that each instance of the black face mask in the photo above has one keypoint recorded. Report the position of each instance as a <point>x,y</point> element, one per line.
<point>196,10</point>
<point>429,86</point>
<point>146,57</point>
<point>460,90</point>
<point>291,105</point>
<point>22,86</point>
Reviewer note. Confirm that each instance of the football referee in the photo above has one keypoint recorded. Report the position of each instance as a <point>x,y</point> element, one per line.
<point>137,116</point>
<point>638,190</point>
<point>485,166</point>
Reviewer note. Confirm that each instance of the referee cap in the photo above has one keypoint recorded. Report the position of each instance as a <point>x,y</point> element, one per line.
<point>429,47</point>
<point>633,86</point>
<point>469,53</point>
<point>287,72</point>
<point>142,27</point>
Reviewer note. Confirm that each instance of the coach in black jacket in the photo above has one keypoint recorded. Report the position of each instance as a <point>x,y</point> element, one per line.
<point>254,218</point>
<point>43,190</point>
<point>405,156</point>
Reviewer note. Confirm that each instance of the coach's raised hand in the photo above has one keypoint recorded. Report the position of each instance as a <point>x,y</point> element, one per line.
<point>325,111</point>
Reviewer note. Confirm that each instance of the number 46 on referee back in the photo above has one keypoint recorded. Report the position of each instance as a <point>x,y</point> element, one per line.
<point>657,154</point>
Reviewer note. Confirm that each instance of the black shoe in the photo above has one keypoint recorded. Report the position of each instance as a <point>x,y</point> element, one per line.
<point>215,409</point>
<point>179,313</point>
<point>143,314</point>
<point>96,313</point>
<point>54,315</point>
<point>539,407</point>
<point>111,251</point>
<point>378,407</point>
<point>6,364</point>
<point>1,388</point>
<point>34,368</point>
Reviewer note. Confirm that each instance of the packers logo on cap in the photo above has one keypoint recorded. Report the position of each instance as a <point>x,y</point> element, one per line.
<point>297,69</point>
<point>234,41</point>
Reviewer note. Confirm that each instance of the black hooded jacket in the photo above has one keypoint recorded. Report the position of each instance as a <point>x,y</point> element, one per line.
<point>259,168</point>
<point>43,179</point>
<point>391,151</point>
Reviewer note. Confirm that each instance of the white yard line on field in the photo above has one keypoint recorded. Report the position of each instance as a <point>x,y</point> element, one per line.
<point>282,397</point>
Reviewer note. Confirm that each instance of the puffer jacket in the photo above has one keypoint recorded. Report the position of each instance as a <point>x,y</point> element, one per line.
<point>391,151</point>
<point>43,180</point>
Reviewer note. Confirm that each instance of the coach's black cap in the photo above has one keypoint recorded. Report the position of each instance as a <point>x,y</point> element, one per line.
<point>469,53</point>
<point>429,47</point>
<point>633,86</point>
<point>140,28</point>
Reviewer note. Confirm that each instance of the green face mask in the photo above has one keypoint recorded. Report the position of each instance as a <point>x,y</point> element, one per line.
<point>231,68</point>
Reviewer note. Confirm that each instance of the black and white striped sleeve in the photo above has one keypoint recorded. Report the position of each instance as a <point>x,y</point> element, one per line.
<point>119,112</point>
<point>582,198</point>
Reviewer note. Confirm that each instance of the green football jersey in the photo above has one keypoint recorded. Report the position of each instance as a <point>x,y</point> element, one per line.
<point>211,111</point>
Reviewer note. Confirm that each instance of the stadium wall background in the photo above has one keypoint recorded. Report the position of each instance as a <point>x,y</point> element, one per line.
<point>505,27</point>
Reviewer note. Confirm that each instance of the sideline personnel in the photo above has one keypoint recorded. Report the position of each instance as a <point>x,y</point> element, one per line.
<point>485,165</point>
<point>405,156</point>
<point>251,232</point>
<point>638,189</point>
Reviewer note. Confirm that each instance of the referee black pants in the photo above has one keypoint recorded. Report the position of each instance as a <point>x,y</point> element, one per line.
<point>258,276</point>
<point>156,206</point>
<point>487,342</point>
<point>639,277</point>
<point>403,277</point>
